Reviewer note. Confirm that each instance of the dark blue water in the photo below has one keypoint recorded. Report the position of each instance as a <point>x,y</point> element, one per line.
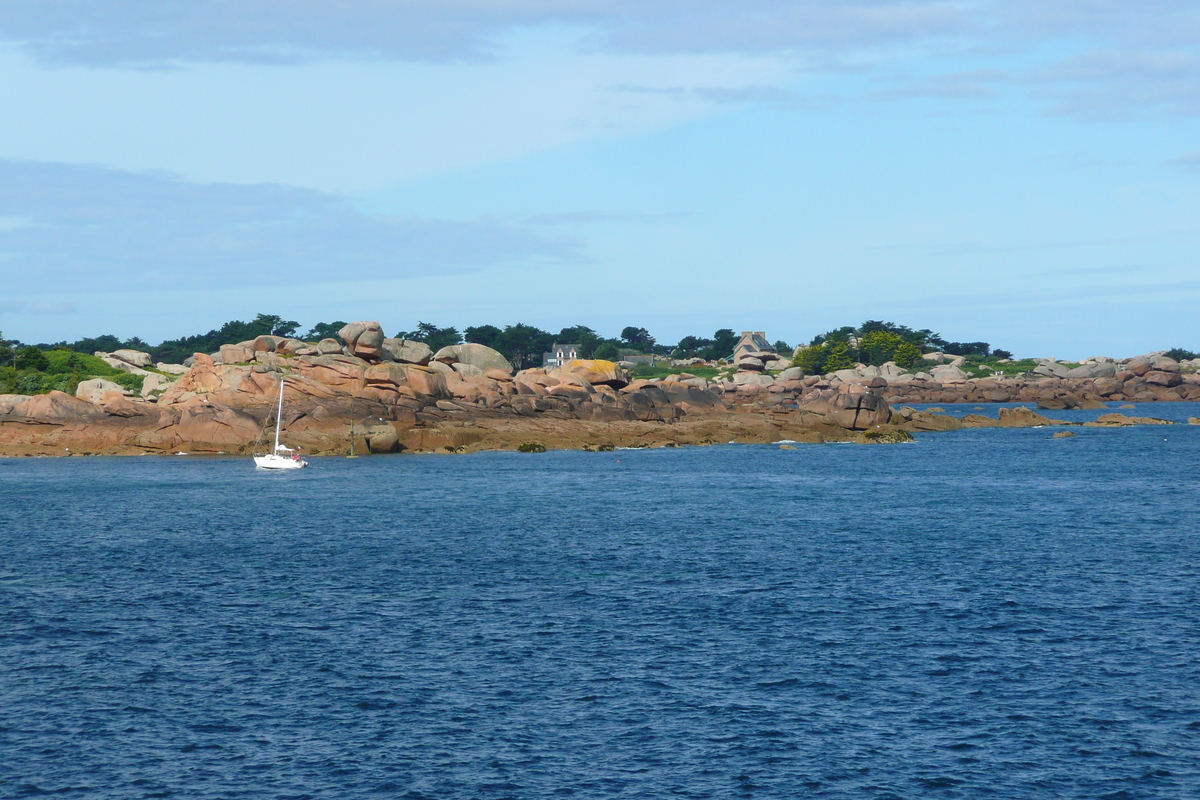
<point>987,613</point>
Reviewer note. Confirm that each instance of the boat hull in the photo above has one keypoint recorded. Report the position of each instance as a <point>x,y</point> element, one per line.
<point>279,462</point>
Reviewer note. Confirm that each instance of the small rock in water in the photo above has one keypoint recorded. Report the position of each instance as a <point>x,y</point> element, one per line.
<point>1062,435</point>
<point>884,436</point>
<point>790,447</point>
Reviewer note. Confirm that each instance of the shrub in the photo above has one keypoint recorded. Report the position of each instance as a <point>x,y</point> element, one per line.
<point>31,358</point>
<point>1179,354</point>
<point>127,381</point>
<point>811,360</point>
<point>66,362</point>
<point>838,358</point>
<point>906,355</point>
<point>532,447</point>
<point>607,352</point>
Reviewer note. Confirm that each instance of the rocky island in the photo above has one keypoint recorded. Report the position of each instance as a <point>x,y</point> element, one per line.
<point>401,395</point>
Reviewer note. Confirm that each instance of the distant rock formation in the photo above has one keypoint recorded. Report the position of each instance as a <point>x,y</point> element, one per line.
<point>402,396</point>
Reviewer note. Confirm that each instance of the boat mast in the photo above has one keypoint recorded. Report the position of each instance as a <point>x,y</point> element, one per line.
<point>279,415</point>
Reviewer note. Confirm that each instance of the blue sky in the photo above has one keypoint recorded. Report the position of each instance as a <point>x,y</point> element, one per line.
<point>1020,172</point>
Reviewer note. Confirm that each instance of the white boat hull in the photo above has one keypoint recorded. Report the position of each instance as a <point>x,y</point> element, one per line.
<point>279,462</point>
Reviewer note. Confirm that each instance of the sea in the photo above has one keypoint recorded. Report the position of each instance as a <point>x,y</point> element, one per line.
<point>984,613</point>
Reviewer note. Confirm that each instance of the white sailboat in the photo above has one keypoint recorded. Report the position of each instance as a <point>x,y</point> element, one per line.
<point>279,458</point>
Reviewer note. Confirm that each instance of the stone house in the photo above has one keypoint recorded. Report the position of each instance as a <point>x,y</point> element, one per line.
<point>559,355</point>
<point>750,343</point>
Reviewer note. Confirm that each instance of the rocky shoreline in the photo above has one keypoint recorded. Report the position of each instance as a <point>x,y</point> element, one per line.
<point>403,398</point>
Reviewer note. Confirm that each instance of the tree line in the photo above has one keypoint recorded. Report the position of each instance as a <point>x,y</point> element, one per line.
<point>876,342</point>
<point>872,342</point>
<point>522,344</point>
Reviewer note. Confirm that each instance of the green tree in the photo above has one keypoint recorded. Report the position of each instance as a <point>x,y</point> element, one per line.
<point>324,330</point>
<point>432,335</point>
<point>842,334</point>
<point>523,345</point>
<point>907,355</point>
<point>606,350</point>
<point>6,349</point>
<point>637,338</point>
<point>724,340</point>
<point>173,351</point>
<point>982,349</point>
<point>811,359</point>
<point>486,335</point>
<point>587,339</point>
<point>32,359</point>
<point>276,325</point>
<point>691,347</point>
<point>880,346</point>
<point>838,357</point>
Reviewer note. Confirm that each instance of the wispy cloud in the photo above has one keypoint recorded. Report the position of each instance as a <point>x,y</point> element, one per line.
<point>96,228</point>
<point>577,217</point>
<point>631,88</point>
<point>53,309</point>
<point>1186,161</point>
<point>731,95</point>
<point>1130,58</point>
<point>1117,84</point>
<point>968,85</point>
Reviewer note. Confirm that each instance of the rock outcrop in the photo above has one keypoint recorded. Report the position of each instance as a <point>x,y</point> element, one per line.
<point>402,396</point>
<point>363,340</point>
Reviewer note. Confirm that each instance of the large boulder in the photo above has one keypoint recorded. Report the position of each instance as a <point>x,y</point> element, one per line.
<point>1158,364</point>
<point>134,357</point>
<point>1022,417</point>
<point>363,340</point>
<point>266,343</point>
<point>121,364</point>
<point>92,390</point>
<point>407,351</point>
<point>858,409</point>
<point>329,347</point>
<point>55,407</point>
<point>1140,366</point>
<point>752,379</point>
<point>790,374</point>
<point>597,372</point>
<point>467,370</point>
<point>154,385</point>
<point>474,354</point>
<point>1051,369</point>
<point>1159,378</point>
<point>236,354</point>
<point>1104,369</point>
<point>949,373</point>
